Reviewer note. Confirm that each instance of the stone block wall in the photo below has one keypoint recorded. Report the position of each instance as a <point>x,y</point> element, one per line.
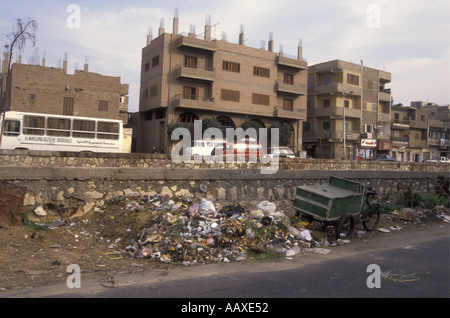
<point>90,180</point>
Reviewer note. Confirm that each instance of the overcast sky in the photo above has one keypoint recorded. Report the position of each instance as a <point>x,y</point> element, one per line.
<point>409,38</point>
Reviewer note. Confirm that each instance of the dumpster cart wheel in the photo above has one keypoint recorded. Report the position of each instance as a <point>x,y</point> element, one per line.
<point>344,228</point>
<point>372,217</point>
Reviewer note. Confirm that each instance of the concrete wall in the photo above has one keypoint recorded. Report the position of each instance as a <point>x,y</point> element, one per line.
<point>92,179</point>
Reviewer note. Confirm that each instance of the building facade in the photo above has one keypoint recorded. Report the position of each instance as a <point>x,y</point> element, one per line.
<point>188,77</point>
<point>348,107</point>
<point>420,132</point>
<point>48,90</point>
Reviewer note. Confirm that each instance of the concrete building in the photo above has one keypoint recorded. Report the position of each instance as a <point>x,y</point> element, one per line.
<point>420,131</point>
<point>50,90</point>
<point>187,77</point>
<point>363,125</point>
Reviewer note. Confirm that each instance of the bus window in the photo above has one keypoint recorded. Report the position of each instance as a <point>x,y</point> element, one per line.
<point>12,128</point>
<point>33,125</point>
<point>58,127</point>
<point>83,129</point>
<point>107,130</point>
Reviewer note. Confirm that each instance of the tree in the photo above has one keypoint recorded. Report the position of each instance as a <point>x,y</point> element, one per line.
<point>25,30</point>
<point>211,123</point>
<point>284,133</point>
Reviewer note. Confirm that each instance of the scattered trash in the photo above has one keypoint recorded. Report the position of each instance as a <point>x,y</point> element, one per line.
<point>109,282</point>
<point>381,229</point>
<point>400,278</point>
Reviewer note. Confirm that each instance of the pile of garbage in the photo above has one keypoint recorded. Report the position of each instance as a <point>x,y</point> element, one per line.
<point>189,233</point>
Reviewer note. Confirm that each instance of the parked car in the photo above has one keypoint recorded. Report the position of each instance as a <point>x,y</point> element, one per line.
<point>235,150</point>
<point>203,147</point>
<point>382,157</point>
<point>439,159</point>
<point>282,152</point>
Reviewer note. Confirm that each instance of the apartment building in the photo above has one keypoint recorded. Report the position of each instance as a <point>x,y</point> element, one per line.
<point>348,107</point>
<point>49,90</point>
<point>188,77</point>
<point>420,131</point>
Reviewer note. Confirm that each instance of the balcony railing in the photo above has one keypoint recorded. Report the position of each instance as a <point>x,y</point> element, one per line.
<point>291,62</point>
<point>299,114</point>
<point>282,87</point>
<point>335,88</point>
<point>193,101</point>
<point>183,72</point>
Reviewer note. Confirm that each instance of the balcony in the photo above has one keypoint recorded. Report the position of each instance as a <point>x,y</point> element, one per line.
<point>337,112</point>
<point>193,102</point>
<point>400,124</point>
<point>281,60</point>
<point>189,73</point>
<point>335,88</point>
<point>332,135</point>
<point>298,114</point>
<point>290,88</point>
<point>385,95</point>
<point>438,142</point>
<point>384,118</point>
<point>192,43</point>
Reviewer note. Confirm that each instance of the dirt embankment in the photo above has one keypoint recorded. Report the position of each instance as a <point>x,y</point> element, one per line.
<point>136,234</point>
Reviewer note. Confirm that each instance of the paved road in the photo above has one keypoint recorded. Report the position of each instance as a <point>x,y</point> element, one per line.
<point>419,271</point>
<point>411,265</point>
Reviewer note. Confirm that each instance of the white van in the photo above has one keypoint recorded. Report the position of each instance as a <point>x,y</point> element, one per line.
<point>203,147</point>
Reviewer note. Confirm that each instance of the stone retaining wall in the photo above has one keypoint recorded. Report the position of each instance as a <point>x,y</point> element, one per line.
<point>88,179</point>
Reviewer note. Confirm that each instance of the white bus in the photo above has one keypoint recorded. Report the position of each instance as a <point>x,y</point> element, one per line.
<point>32,131</point>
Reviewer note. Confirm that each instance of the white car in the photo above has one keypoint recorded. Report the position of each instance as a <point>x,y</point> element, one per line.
<point>282,152</point>
<point>439,159</point>
<point>203,147</point>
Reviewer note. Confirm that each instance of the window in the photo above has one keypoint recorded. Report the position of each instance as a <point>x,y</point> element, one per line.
<point>58,127</point>
<point>261,71</point>
<point>190,61</point>
<point>306,126</point>
<point>352,79</point>
<point>288,104</point>
<point>190,93</point>
<point>83,128</point>
<point>326,80</point>
<point>34,125</point>
<point>326,126</point>
<point>103,105</point>
<point>231,66</point>
<point>32,97</point>
<point>154,91</point>
<point>346,104</point>
<point>288,79</point>
<point>155,61</point>
<point>146,94</point>
<point>260,99</point>
<point>160,114</point>
<point>396,117</point>
<point>147,66</point>
<point>12,128</point>
<point>148,115</point>
<point>68,106</point>
<point>326,103</point>
<point>230,95</point>
<point>107,130</point>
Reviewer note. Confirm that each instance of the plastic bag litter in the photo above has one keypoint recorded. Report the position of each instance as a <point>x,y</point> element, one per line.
<point>302,234</point>
<point>266,207</point>
<point>207,208</point>
<point>193,210</point>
